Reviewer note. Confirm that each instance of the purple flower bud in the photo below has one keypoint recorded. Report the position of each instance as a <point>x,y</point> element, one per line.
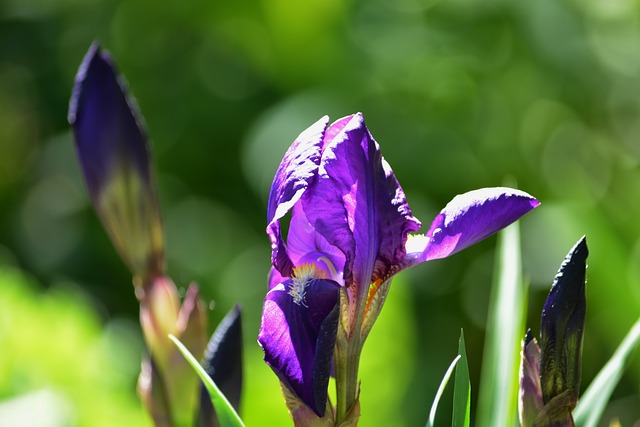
<point>550,374</point>
<point>113,152</point>
<point>562,326</point>
<point>160,315</point>
<point>223,362</point>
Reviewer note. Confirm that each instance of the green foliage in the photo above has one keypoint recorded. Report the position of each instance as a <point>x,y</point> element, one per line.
<point>462,390</point>
<point>443,385</point>
<point>498,395</point>
<point>60,361</point>
<point>594,400</point>
<point>225,412</point>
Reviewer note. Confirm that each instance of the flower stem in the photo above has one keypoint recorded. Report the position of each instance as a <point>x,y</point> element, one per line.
<point>347,357</point>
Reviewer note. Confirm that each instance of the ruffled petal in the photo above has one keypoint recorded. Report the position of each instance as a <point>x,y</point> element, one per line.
<point>296,172</point>
<point>298,334</point>
<point>468,219</point>
<point>357,204</point>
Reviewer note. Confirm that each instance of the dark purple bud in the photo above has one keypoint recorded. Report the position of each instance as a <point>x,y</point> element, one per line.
<point>562,328</point>
<point>223,362</point>
<point>112,147</point>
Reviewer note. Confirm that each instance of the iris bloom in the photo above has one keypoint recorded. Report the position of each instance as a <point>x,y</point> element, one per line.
<point>550,373</point>
<point>350,231</point>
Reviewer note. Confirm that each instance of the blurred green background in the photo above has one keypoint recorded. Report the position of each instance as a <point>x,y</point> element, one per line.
<point>460,94</point>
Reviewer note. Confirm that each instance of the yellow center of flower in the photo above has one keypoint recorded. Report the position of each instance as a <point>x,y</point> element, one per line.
<point>302,278</point>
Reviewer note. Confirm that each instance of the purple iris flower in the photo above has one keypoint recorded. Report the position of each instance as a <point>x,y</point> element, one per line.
<point>349,232</point>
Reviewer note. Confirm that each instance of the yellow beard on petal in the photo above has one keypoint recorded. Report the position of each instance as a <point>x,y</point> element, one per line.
<point>302,277</point>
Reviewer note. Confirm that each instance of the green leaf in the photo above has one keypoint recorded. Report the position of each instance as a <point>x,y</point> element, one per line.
<point>227,416</point>
<point>462,389</point>
<point>443,384</point>
<point>594,400</point>
<point>498,394</point>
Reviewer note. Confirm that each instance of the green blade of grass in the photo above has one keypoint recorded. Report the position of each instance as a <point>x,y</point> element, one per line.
<point>227,416</point>
<point>498,394</point>
<point>443,384</point>
<point>462,389</point>
<point>594,400</point>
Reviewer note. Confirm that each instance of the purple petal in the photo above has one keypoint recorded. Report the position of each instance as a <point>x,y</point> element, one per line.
<point>469,218</point>
<point>357,204</point>
<point>112,147</point>
<point>274,278</point>
<point>298,338</point>
<point>562,326</point>
<point>306,246</point>
<point>530,400</point>
<point>296,172</point>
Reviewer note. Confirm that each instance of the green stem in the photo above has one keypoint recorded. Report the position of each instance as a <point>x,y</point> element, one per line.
<point>340,366</point>
<point>347,357</point>
<point>352,376</point>
<point>347,389</point>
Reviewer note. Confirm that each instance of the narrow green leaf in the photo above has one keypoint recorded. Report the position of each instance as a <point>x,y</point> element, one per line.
<point>225,412</point>
<point>594,400</point>
<point>462,389</point>
<point>498,395</point>
<point>443,384</point>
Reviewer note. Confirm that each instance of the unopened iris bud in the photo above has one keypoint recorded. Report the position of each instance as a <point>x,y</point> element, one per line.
<point>113,151</point>
<point>160,315</point>
<point>562,327</point>
<point>550,374</point>
<point>223,363</point>
<point>159,310</point>
<point>191,327</point>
